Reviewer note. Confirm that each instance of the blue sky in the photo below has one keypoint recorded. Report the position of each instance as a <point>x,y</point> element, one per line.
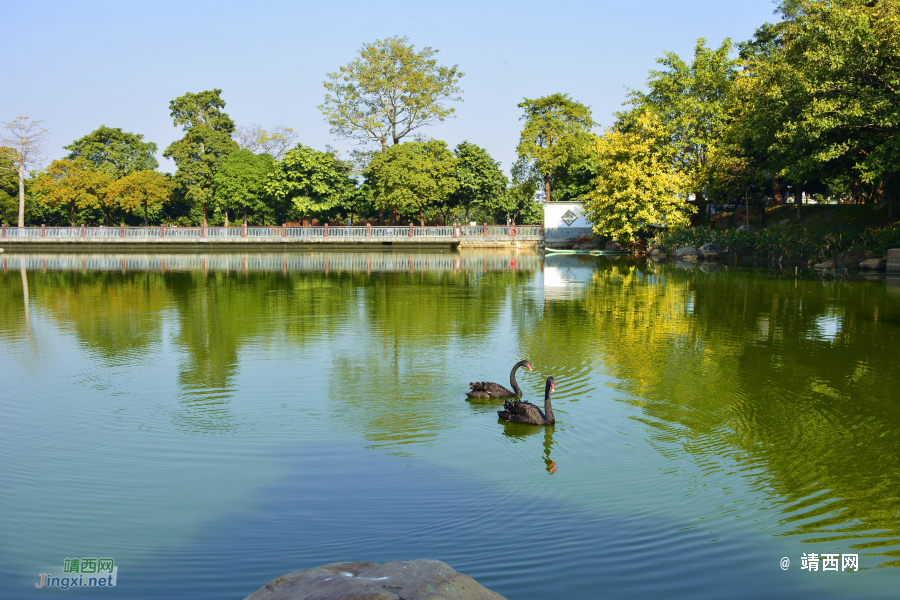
<point>77,65</point>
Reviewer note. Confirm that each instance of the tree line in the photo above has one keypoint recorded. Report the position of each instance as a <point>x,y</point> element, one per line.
<point>805,109</point>
<point>227,173</point>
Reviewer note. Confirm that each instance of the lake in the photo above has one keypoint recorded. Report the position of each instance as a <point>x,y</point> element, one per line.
<point>213,421</point>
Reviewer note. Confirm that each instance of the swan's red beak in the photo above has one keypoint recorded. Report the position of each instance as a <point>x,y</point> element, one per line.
<point>552,386</point>
<point>528,365</point>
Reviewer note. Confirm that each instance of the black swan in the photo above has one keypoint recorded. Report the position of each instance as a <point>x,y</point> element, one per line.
<point>489,389</point>
<point>520,411</point>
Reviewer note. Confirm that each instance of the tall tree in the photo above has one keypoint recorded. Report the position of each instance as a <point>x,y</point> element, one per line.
<point>24,140</point>
<point>414,177</point>
<point>479,180</point>
<point>551,125</point>
<point>517,201</point>
<point>205,146</point>
<point>115,151</point>
<point>141,192</point>
<point>389,91</point>
<point>832,91</point>
<point>689,100</point>
<point>311,181</point>
<point>255,139</point>
<point>240,182</point>
<point>638,185</point>
<point>76,184</point>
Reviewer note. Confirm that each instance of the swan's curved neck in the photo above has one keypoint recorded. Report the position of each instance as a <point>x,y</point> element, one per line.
<point>512,380</point>
<point>548,410</point>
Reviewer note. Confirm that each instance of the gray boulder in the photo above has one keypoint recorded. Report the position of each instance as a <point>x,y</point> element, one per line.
<point>828,264</point>
<point>612,247</point>
<point>683,253</point>
<point>872,264</point>
<point>784,221</point>
<point>711,250</point>
<point>406,580</point>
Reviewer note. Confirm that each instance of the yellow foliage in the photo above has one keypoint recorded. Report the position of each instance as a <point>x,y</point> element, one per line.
<point>637,186</point>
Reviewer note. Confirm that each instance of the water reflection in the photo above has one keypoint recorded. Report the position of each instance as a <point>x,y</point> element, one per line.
<point>782,386</point>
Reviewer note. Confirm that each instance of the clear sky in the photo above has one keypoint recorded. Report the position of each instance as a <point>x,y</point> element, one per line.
<point>77,65</point>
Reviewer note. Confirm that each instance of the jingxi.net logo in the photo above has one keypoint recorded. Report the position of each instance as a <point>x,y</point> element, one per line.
<point>79,572</point>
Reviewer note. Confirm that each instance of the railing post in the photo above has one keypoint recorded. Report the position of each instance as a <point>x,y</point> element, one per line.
<point>485,230</point>
<point>284,230</point>
<point>243,230</point>
<point>82,230</point>
<point>542,229</point>
<point>368,230</point>
<point>410,230</point>
<point>4,230</point>
<point>326,229</point>
<point>162,230</point>
<point>456,231</point>
<point>43,231</point>
<point>122,233</point>
<point>202,230</point>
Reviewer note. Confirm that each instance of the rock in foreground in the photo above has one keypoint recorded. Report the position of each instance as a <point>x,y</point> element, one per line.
<point>409,580</point>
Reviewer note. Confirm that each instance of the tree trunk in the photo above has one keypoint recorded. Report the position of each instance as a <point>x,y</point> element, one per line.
<point>22,197</point>
<point>547,187</point>
<point>381,217</point>
<point>701,205</point>
<point>383,144</point>
<point>798,200</point>
<point>855,190</point>
<point>145,213</point>
<point>72,213</point>
<point>467,214</point>
<point>205,204</point>
<point>776,190</point>
<point>245,216</point>
<point>877,192</point>
<point>226,218</point>
<point>747,205</point>
<point>888,195</point>
<point>421,217</point>
<point>394,215</point>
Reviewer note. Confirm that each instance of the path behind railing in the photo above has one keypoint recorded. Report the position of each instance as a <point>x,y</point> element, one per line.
<point>284,234</point>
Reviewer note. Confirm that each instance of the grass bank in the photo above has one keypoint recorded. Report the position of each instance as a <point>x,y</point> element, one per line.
<point>825,233</point>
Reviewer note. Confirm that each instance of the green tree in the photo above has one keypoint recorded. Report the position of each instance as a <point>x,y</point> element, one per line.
<point>638,186</point>
<point>24,140</point>
<point>479,180</point>
<point>389,91</point>
<point>689,100</point>
<point>831,93</point>
<point>117,152</point>
<point>141,192</point>
<point>414,177</point>
<point>9,184</point>
<point>205,146</point>
<point>76,184</point>
<point>517,199</point>
<point>240,183</point>
<point>551,125</point>
<point>310,181</point>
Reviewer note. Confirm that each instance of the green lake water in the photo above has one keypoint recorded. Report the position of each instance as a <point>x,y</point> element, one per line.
<point>213,421</point>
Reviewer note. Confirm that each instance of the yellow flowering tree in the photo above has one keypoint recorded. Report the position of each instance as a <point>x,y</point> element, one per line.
<point>637,185</point>
<point>76,184</point>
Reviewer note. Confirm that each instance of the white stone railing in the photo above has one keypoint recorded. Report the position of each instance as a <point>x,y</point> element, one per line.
<point>319,233</point>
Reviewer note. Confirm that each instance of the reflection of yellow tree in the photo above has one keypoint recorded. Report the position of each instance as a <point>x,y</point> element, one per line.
<point>115,315</point>
<point>740,369</point>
